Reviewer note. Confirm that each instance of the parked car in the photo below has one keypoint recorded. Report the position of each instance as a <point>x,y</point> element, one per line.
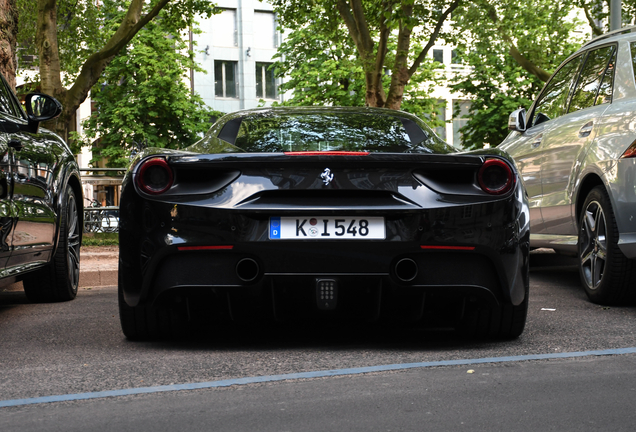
<point>322,213</point>
<point>576,151</point>
<point>40,200</point>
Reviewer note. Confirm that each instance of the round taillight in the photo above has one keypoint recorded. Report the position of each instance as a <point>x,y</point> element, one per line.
<point>495,177</point>
<point>154,176</point>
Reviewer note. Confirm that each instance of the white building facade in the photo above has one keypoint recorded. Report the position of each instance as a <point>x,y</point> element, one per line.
<point>236,48</point>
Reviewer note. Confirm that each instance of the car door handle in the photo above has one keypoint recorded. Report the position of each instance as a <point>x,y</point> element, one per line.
<point>537,141</point>
<point>14,143</point>
<point>586,130</point>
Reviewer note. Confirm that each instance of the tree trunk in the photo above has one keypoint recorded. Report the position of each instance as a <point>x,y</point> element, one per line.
<point>352,14</point>
<point>50,73</point>
<point>8,33</point>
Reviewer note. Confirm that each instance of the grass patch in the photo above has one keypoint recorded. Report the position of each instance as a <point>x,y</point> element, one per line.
<point>100,239</point>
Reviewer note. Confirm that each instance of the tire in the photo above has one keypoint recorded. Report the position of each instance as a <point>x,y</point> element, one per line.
<point>609,278</point>
<point>137,322</point>
<point>146,322</point>
<point>499,322</point>
<point>59,280</point>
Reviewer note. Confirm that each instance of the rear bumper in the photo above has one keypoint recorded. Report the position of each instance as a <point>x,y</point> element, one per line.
<point>497,277</point>
<point>157,257</point>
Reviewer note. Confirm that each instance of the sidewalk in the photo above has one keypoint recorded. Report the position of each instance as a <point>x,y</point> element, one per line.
<point>98,267</point>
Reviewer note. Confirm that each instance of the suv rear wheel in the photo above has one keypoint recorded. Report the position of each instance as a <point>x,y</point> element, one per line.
<point>608,277</point>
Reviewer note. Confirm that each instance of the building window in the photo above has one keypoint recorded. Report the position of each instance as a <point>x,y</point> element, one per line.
<point>224,28</point>
<point>225,83</point>
<point>264,30</point>
<point>460,119</point>
<point>441,115</point>
<point>455,58</point>
<point>438,55</point>
<point>265,81</point>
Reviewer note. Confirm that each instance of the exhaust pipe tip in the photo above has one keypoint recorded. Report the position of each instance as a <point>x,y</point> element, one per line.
<point>247,269</point>
<point>406,269</point>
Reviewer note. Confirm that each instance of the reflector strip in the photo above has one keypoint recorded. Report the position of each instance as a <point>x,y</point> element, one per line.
<point>469,248</point>
<point>190,248</point>
<point>326,153</point>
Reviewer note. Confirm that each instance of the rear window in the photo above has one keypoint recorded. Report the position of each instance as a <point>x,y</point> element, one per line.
<point>282,132</point>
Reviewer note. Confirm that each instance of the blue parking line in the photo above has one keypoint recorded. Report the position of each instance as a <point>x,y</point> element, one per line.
<point>304,375</point>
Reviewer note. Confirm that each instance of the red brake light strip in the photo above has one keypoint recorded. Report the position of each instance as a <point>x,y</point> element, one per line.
<point>190,248</point>
<point>327,153</point>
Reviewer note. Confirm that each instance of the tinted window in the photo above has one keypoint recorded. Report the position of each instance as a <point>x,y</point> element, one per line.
<point>607,85</point>
<point>334,132</point>
<point>554,97</point>
<point>591,77</point>
<point>6,105</point>
<point>632,45</point>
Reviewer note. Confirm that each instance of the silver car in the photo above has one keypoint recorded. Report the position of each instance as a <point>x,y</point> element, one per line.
<point>576,151</point>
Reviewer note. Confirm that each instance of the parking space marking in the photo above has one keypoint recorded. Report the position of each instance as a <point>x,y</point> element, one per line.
<point>305,375</point>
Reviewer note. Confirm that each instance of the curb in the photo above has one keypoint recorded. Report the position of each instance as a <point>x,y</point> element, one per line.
<point>97,278</point>
<point>98,269</point>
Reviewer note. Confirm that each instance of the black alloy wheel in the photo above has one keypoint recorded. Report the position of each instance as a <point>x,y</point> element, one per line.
<point>59,280</point>
<point>593,245</point>
<point>606,274</point>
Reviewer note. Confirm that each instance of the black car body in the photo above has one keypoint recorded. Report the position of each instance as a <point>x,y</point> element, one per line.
<point>378,219</point>
<point>40,201</point>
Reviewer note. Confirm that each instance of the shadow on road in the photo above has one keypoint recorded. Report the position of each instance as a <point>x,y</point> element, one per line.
<point>10,298</point>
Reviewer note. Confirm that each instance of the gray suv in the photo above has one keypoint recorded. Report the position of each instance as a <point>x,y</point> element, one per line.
<point>576,151</point>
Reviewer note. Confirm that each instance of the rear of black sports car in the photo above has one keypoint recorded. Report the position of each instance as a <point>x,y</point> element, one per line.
<point>359,215</point>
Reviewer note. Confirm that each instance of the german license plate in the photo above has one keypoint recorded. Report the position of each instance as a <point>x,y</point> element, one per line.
<point>327,228</point>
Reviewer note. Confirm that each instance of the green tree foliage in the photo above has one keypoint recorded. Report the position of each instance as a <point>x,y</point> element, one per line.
<point>80,32</point>
<point>320,68</point>
<point>597,13</point>
<point>75,40</point>
<point>361,51</point>
<point>142,97</point>
<point>511,52</point>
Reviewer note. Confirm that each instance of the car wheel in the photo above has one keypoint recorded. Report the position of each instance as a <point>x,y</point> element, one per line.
<point>607,275</point>
<point>148,321</point>
<point>499,322</point>
<point>59,280</point>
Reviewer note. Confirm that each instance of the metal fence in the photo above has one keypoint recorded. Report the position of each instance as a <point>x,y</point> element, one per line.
<point>101,219</point>
<point>98,218</point>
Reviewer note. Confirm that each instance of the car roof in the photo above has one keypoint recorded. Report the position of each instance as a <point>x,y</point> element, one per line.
<point>614,35</point>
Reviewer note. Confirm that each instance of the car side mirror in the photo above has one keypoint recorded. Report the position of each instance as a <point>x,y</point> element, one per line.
<point>41,107</point>
<point>517,120</point>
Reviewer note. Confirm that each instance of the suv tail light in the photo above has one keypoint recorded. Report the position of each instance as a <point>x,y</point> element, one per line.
<point>495,177</point>
<point>630,152</point>
<point>154,176</point>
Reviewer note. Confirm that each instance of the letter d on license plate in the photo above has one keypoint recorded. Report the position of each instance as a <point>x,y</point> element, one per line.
<point>327,228</point>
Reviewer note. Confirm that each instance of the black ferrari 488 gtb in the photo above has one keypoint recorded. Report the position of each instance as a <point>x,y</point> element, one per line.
<point>323,213</point>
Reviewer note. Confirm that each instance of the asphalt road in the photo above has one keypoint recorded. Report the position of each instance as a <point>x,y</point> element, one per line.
<point>77,347</point>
